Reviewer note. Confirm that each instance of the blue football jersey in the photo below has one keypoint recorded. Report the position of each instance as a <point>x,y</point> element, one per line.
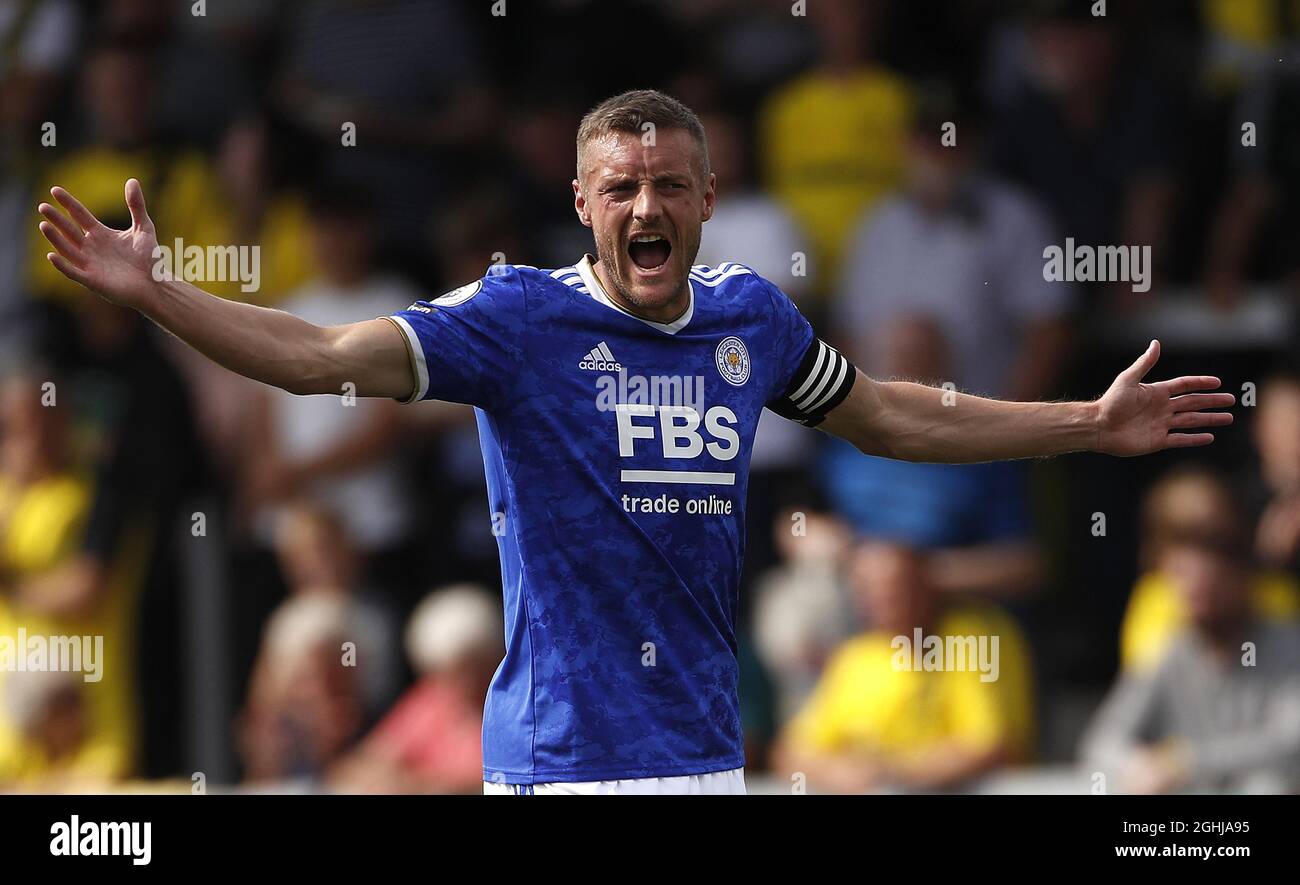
<point>617,452</point>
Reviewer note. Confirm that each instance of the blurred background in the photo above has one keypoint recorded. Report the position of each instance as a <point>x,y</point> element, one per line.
<point>227,540</point>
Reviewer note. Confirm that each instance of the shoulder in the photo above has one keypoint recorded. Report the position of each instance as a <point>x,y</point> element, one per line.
<point>738,289</point>
<point>716,276</point>
<point>980,619</point>
<point>498,286</point>
<point>731,281</point>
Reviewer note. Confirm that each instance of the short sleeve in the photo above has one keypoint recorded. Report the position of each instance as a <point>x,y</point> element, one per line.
<point>467,346</point>
<point>811,377</point>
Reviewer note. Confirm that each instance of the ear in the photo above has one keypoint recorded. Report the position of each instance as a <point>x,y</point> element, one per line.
<point>710,195</point>
<point>580,204</point>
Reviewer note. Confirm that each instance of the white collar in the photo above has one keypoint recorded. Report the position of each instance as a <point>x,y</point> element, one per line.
<point>587,271</point>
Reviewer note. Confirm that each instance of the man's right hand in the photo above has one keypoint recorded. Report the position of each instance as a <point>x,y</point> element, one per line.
<point>117,264</point>
<point>368,358</point>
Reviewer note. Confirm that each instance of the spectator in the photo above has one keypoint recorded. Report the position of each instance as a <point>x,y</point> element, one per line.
<point>965,250</point>
<point>1190,500</point>
<point>1221,708</point>
<point>1088,136</point>
<point>50,587</point>
<point>877,723</point>
<point>431,741</point>
<point>801,610</point>
<point>318,557</point>
<point>338,453</point>
<point>49,715</point>
<point>539,138</point>
<point>1276,490</point>
<point>974,518</point>
<point>748,226</point>
<point>119,79</point>
<point>831,142</point>
<point>1252,232</point>
<point>38,43</point>
<point>405,79</point>
<point>304,708</point>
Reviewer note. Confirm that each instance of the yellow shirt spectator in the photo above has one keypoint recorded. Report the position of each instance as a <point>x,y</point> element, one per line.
<point>1254,22</point>
<point>40,528</point>
<point>185,202</point>
<point>1155,614</point>
<point>864,703</point>
<point>830,149</point>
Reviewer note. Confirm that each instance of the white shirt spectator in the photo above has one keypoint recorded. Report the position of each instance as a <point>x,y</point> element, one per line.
<point>976,270</point>
<point>47,39</point>
<point>371,501</point>
<point>755,231</point>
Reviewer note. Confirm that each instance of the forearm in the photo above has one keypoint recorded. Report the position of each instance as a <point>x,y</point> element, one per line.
<point>912,422</point>
<point>266,345</point>
<point>943,767</point>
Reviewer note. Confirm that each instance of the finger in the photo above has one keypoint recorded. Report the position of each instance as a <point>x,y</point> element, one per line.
<point>135,203</point>
<point>1185,420</point>
<point>1185,383</point>
<point>1136,372</point>
<point>61,221</point>
<point>1196,401</point>
<point>79,213</point>
<point>67,268</point>
<point>61,243</point>
<point>1188,440</point>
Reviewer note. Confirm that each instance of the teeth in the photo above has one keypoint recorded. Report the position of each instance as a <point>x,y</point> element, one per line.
<point>647,238</point>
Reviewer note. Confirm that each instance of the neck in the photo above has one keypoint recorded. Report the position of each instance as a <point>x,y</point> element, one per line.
<point>670,311</point>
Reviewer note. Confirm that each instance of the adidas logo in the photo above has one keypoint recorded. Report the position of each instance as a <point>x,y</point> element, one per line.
<point>600,360</point>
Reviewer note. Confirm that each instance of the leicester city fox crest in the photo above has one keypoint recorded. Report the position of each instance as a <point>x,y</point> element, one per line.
<point>733,360</point>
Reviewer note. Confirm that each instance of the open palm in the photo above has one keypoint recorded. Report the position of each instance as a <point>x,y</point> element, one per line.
<point>1136,418</point>
<point>118,264</point>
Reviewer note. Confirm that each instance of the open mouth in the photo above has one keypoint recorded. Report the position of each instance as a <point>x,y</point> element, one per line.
<point>649,251</point>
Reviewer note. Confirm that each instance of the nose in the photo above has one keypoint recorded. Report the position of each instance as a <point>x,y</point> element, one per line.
<point>646,208</point>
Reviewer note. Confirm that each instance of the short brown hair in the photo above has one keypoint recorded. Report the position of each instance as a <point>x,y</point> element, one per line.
<point>630,111</point>
<point>1194,506</point>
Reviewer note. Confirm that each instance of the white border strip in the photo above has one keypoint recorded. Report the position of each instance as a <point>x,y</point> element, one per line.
<point>417,355</point>
<point>686,477</point>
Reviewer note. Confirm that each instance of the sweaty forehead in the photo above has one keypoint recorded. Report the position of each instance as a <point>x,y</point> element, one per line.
<point>674,151</point>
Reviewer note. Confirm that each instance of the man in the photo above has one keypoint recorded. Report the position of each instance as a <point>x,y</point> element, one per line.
<point>1220,711</point>
<point>620,520</point>
<point>881,719</point>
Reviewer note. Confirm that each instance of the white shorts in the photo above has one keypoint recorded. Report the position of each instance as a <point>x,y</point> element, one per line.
<point>715,783</point>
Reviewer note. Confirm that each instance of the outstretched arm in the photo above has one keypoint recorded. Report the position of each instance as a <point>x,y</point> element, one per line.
<point>266,345</point>
<point>912,422</point>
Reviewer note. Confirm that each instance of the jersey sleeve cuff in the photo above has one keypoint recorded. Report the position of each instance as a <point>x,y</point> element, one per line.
<point>414,353</point>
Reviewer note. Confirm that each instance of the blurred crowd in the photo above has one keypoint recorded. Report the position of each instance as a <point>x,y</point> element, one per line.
<point>304,590</point>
